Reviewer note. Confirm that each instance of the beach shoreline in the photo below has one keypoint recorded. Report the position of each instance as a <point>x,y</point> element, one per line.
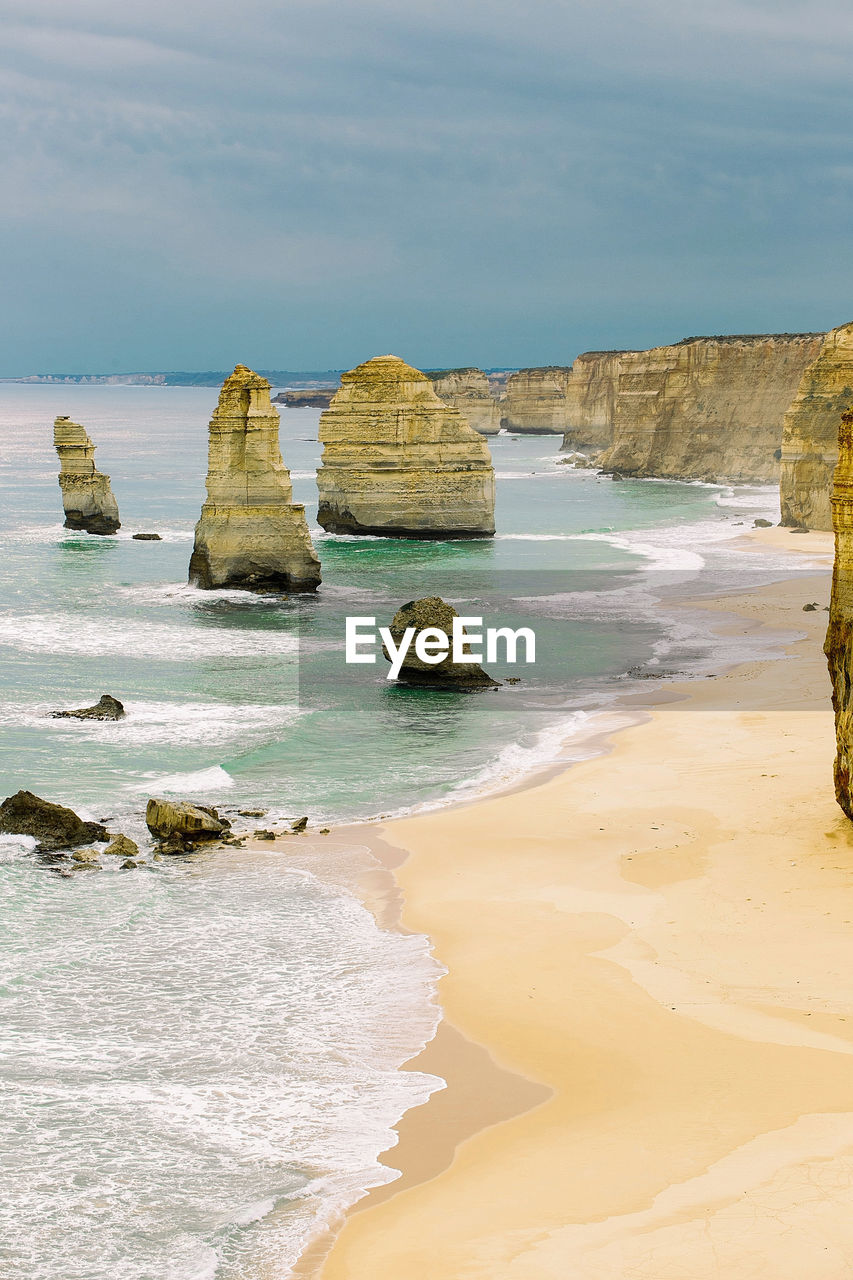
<point>492,1087</point>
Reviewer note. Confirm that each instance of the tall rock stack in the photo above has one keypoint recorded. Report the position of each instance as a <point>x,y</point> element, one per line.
<point>86,494</point>
<point>399,462</point>
<point>839,636</point>
<point>810,433</point>
<point>468,391</point>
<point>535,401</point>
<point>591,400</point>
<point>707,408</point>
<point>251,534</point>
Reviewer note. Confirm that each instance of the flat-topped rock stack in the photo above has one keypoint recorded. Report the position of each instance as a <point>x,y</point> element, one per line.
<point>535,401</point>
<point>591,400</point>
<point>468,391</point>
<point>251,534</point>
<point>87,497</point>
<point>810,433</point>
<point>839,636</point>
<point>707,408</point>
<point>399,462</point>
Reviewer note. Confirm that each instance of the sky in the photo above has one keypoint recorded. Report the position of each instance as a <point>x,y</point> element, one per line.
<point>303,185</point>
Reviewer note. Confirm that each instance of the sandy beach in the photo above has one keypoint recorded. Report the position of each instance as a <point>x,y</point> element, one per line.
<point>649,1000</point>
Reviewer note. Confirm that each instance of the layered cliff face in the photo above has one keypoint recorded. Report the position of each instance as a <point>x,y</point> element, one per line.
<point>468,391</point>
<point>400,462</point>
<point>810,433</point>
<point>591,400</point>
<point>707,408</point>
<point>839,636</point>
<point>251,534</point>
<point>535,401</point>
<point>86,494</point>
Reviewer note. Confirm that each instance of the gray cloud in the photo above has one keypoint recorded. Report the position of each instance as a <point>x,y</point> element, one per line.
<point>305,184</point>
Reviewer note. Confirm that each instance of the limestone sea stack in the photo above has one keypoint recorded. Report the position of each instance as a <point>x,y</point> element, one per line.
<point>810,433</point>
<point>399,462</point>
<point>591,400</point>
<point>468,391</point>
<point>839,636</point>
<point>535,401</point>
<point>251,534</point>
<point>434,615</point>
<point>86,494</point>
<point>707,408</point>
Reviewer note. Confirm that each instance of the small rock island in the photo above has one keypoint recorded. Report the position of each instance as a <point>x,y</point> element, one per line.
<point>251,534</point>
<point>399,462</point>
<point>87,497</point>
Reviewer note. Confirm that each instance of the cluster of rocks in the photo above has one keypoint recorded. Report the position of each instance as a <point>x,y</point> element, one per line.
<point>60,834</point>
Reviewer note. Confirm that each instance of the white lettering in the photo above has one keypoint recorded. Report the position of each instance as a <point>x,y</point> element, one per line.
<point>461,638</point>
<point>511,637</point>
<point>432,645</point>
<point>397,652</point>
<point>353,640</point>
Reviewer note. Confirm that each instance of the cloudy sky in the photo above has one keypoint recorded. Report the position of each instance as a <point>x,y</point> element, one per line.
<point>304,183</point>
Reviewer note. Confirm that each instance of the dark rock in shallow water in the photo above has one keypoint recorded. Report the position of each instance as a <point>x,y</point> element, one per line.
<point>433,613</point>
<point>147,537</point>
<point>106,708</point>
<point>760,523</point>
<point>52,825</point>
<point>180,826</point>
<point>122,847</point>
<point>299,826</point>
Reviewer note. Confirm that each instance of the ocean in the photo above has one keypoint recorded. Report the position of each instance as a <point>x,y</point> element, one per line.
<point>200,1058</point>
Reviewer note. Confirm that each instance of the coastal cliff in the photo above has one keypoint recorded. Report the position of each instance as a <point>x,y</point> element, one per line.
<point>535,401</point>
<point>707,408</point>
<point>87,497</point>
<point>838,646</point>
<point>398,461</point>
<point>591,400</point>
<point>810,433</point>
<point>251,534</point>
<point>468,391</point>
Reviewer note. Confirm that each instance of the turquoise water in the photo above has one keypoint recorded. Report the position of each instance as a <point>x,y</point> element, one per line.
<point>185,1045</point>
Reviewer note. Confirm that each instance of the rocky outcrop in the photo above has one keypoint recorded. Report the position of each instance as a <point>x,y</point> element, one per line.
<point>810,433</point>
<point>399,462</point>
<point>86,494</point>
<point>591,400</point>
<point>838,646</point>
<point>122,846</point>
<point>707,408</point>
<point>251,534</point>
<point>432,613</point>
<point>52,825</point>
<point>468,391</point>
<point>106,708</point>
<point>535,401</point>
<point>180,826</point>
<point>309,398</point>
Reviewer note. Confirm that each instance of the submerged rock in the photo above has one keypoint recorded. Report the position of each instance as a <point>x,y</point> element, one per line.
<point>147,537</point>
<point>122,847</point>
<point>251,534</point>
<point>810,433</point>
<point>106,708</point>
<point>52,825</point>
<point>399,462</point>
<point>426,614</point>
<point>86,494</point>
<point>180,826</point>
<point>838,645</point>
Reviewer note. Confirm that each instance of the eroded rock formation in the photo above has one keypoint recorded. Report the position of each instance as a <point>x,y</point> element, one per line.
<point>251,534</point>
<point>535,401</point>
<point>86,494</point>
<point>810,433</point>
<point>707,408</point>
<point>180,826</point>
<point>399,462</point>
<point>433,613</point>
<point>106,708</point>
<point>468,391</point>
<point>52,825</point>
<point>591,400</point>
<point>839,636</point>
